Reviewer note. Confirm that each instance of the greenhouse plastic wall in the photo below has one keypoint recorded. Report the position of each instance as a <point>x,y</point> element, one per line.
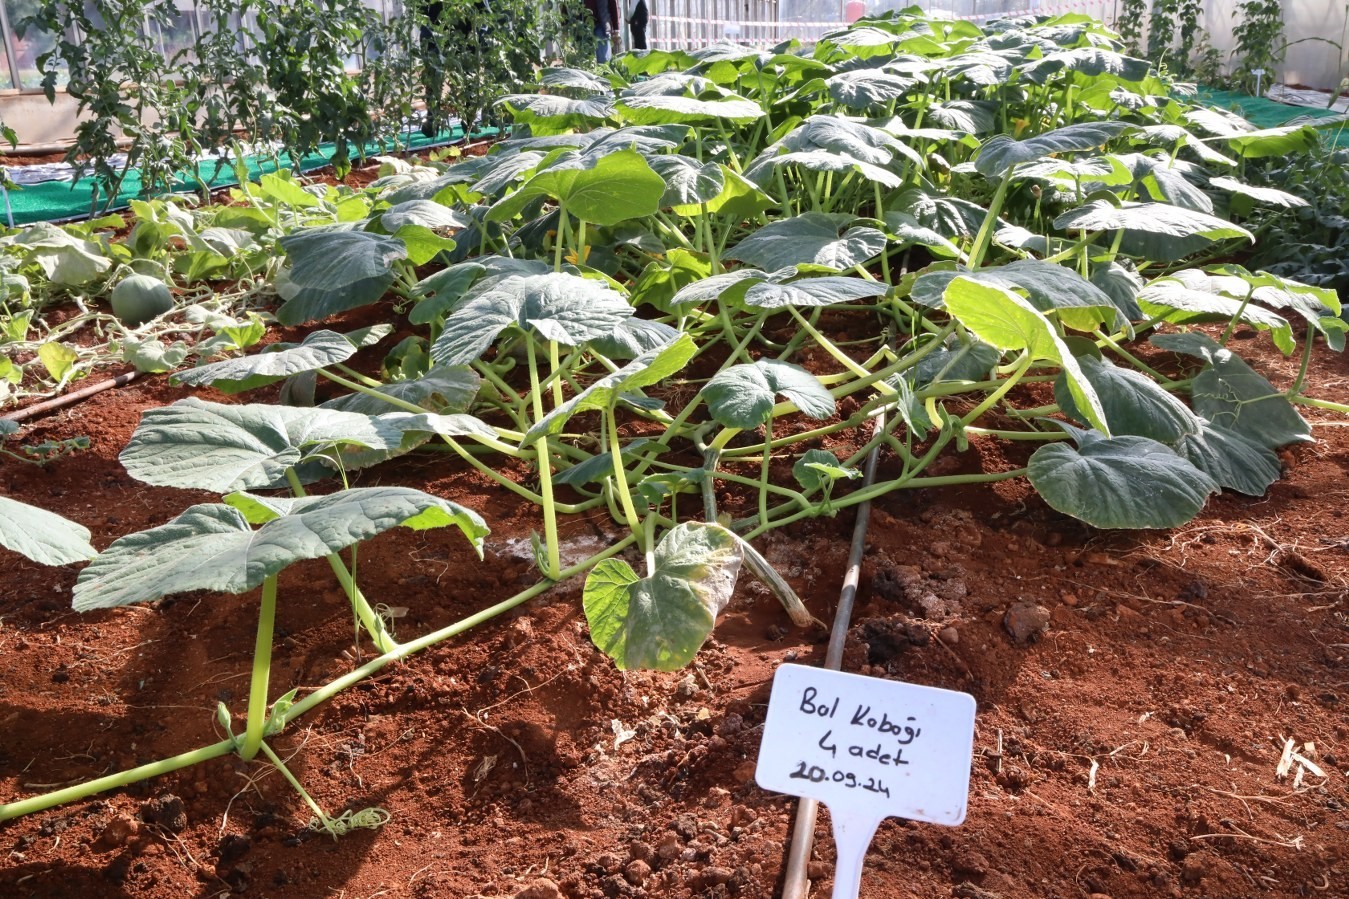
<point>1312,27</point>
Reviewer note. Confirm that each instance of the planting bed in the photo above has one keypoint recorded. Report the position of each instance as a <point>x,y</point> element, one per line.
<point>581,420</point>
<point>1140,732</point>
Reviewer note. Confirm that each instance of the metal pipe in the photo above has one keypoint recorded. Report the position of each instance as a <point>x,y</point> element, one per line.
<point>795,882</point>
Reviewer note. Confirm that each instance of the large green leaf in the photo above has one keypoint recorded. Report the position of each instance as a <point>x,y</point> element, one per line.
<point>948,216</point>
<point>707,290</point>
<point>1119,482</point>
<point>426,213</point>
<point>742,396</point>
<point>687,181</point>
<point>1133,403</point>
<point>831,161</point>
<point>210,446</point>
<point>651,367</point>
<point>318,350</point>
<point>1319,307</point>
<point>959,360</point>
<point>505,171</point>
<point>1193,295</point>
<point>1000,152</point>
<point>42,536</point>
<point>605,190</point>
<point>64,258</point>
<point>1287,140</point>
<point>1002,318</point>
<point>554,114</point>
<point>1235,462</point>
<point>825,291</point>
<point>439,293</point>
<point>633,337</point>
<point>1269,195</point>
<point>1090,61</point>
<point>1149,218</point>
<point>445,388</point>
<point>212,546</point>
<point>967,116</point>
<point>332,271</point>
<point>864,88</point>
<point>657,109</point>
<point>906,231</point>
<point>846,137</point>
<point>579,80</point>
<point>814,237</point>
<point>661,621</point>
<point>558,306</point>
<point>1234,396</point>
<point>1051,288</point>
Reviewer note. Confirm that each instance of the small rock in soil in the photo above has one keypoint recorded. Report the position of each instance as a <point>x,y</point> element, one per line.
<point>970,865</point>
<point>709,877</point>
<point>232,848</point>
<point>543,888</point>
<point>1192,871</point>
<point>949,635</point>
<point>165,810</point>
<point>668,848</point>
<point>117,833</point>
<point>642,852</point>
<point>637,872</point>
<point>1026,621</point>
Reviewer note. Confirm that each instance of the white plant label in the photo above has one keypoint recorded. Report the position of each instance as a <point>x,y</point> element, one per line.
<point>869,749</point>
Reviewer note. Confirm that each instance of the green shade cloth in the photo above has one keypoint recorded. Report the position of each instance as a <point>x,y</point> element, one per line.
<point>56,201</point>
<point>1272,114</point>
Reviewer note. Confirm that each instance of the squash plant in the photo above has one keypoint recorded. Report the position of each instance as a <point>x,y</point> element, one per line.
<point>663,285</point>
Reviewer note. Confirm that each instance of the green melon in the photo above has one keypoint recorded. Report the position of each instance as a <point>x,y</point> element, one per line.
<point>140,298</point>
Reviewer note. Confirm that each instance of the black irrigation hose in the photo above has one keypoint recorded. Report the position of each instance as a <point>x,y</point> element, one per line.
<point>795,882</point>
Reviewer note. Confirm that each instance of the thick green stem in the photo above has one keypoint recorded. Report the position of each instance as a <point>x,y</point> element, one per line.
<point>1306,364</point>
<point>262,667</point>
<point>1236,316</point>
<point>1108,340</point>
<point>545,467</point>
<point>555,369</point>
<point>323,694</point>
<point>620,476</point>
<point>561,230</point>
<point>1308,401</point>
<point>1022,364</point>
<point>357,376</point>
<point>985,236</point>
<point>765,466</point>
<point>113,781</point>
<point>295,782</point>
<point>370,620</point>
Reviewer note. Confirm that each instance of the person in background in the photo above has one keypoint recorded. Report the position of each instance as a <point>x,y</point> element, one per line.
<point>638,16</point>
<point>605,14</point>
